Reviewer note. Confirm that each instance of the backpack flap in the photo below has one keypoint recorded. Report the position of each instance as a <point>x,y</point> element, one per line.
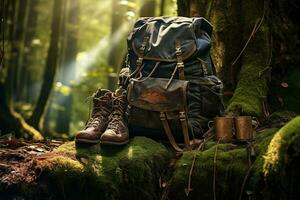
<point>193,33</point>
<point>151,94</point>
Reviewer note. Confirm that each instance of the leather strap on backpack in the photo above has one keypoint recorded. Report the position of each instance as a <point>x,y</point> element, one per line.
<point>140,59</point>
<point>168,132</point>
<point>182,113</point>
<point>180,64</point>
<point>185,129</point>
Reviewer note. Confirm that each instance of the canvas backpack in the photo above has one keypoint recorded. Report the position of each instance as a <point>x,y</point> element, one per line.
<point>172,84</point>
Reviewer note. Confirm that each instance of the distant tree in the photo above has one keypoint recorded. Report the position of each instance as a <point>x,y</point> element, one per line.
<point>148,8</point>
<point>25,60</point>
<point>162,7</point>
<point>17,50</point>
<point>115,54</point>
<point>10,121</point>
<point>68,66</point>
<point>51,66</point>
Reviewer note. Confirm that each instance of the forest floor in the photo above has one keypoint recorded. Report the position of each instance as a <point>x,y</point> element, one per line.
<point>18,159</point>
<point>147,169</point>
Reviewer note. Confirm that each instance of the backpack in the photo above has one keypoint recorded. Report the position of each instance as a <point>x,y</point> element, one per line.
<point>172,84</point>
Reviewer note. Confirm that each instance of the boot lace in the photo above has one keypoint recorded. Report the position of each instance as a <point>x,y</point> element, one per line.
<point>117,115</point>
<point>98,113</point>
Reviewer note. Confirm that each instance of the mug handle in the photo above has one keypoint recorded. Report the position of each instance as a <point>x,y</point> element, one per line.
<point>255,122</point>
<point>210,124</point>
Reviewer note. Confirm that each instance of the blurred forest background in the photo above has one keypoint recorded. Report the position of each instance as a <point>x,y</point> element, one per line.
<point>57,53</point>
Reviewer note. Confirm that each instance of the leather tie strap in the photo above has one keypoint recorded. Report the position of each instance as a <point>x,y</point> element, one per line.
<point>168,132</point>
<point>180,64</point>
<point>140,59</point>
<point>185,129</point>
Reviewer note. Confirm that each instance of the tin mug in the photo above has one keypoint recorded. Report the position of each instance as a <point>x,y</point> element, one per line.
<point>223,128</point>
<point>244,128</point>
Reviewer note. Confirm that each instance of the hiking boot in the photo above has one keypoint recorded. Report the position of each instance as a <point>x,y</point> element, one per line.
<point>117,130</point>
<point>98,121</point>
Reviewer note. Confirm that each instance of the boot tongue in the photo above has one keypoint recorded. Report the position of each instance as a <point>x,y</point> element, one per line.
<point>100,93</point>
<point>119,102</point>
<point>101,102</point>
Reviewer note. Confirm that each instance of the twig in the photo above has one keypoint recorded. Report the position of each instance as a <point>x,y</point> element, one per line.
<point>255,29</point>
<point>244,181</point>
<point>206,138</point>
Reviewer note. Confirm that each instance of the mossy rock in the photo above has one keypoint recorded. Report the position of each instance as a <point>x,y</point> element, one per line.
<point>281,165</point>
<point>225,171</point>
<point>100,172</point>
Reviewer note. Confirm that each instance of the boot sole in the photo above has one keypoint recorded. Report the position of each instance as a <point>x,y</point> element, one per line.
<point>87,141</point>
<point>114,143</point>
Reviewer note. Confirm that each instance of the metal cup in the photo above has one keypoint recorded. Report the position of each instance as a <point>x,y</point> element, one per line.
<point>224,129</point>
<point>243,128</point>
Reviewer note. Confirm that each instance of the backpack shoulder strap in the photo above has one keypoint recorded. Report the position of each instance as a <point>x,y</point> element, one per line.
<point>212,65</point>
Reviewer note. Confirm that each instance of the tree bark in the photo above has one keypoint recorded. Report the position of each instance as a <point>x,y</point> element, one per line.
<point>237,61</point>
<point>50,68</point>
<point>252,87</point>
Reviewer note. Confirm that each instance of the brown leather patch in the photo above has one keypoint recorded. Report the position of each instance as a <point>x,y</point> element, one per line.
<point>153,97</point>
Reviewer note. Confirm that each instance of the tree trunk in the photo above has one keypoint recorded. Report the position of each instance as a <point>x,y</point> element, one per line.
<point>238,62</point>
<point>12,122</point>
<point>68,67</point>
<point>50,68</point>
<point>18,44</point>
<point>251,90</point>
<point>148,8</point>
<point>115,55</point>
<point>26,61</point>
<point>49,111</point>
<point>162,7</point>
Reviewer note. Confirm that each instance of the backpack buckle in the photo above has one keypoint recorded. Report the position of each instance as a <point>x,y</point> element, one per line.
<point>139,61</point>
<point>180,65</point>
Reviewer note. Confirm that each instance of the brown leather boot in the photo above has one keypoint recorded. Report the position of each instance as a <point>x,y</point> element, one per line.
<point>117,129</point>
<point>102,107</point>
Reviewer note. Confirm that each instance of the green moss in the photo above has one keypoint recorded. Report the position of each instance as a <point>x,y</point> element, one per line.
<point>134,171</point>
<point>94,172</point>
<point>250,92</point>
<point>231,166</point>
<point>251,89</point>
<point>281,166</point>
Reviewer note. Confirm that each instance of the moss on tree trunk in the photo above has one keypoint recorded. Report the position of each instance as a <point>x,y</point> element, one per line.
<point>252,88</point>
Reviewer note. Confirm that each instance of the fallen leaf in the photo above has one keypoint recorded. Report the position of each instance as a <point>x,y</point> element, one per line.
<point>284,84</point>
